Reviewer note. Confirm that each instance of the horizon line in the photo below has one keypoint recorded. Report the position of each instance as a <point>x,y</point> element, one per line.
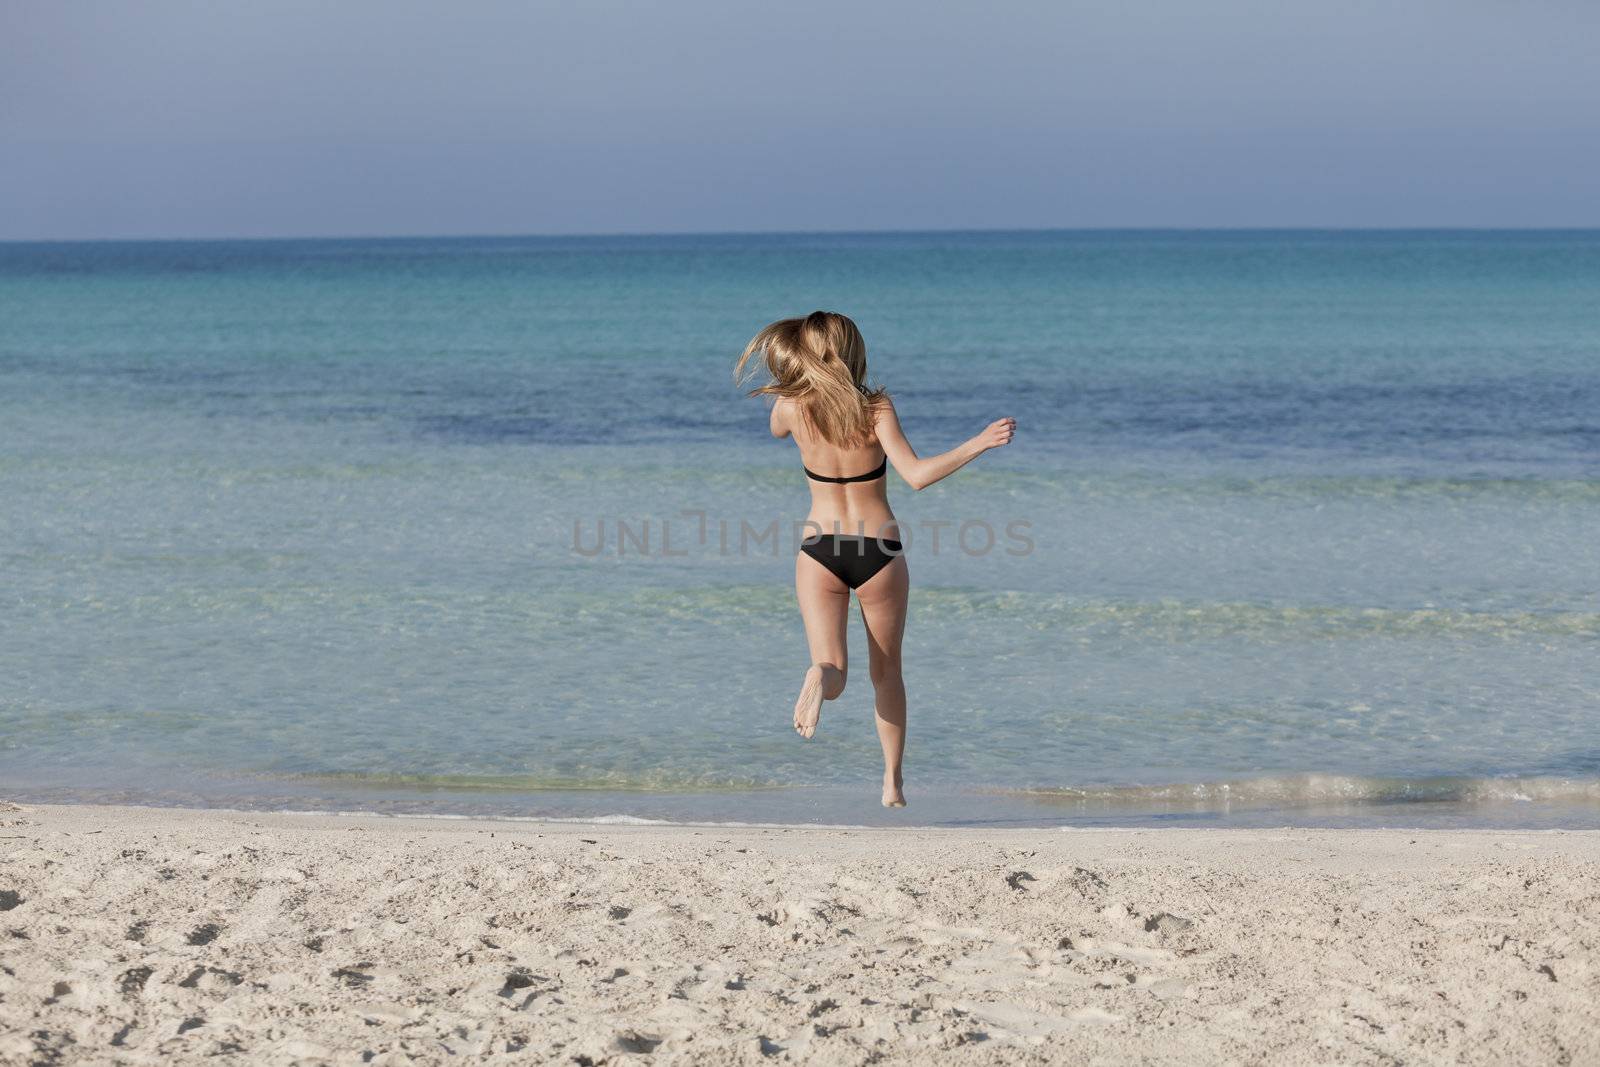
<point>953,231</point>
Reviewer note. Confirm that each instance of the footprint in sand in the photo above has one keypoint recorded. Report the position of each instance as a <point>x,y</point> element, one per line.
<point>521,978</point>
<point>1015,1020</point>
<point>204,934</point>
<point>1166,924</point>
<point>1093,947</point>
<point>636,1043</point>
<point>211,978</point>
<point>352,977</point>
<point>131,982</point>
<point>1086,883</point>
<point>822,1007</point>
<point>1169,988</point>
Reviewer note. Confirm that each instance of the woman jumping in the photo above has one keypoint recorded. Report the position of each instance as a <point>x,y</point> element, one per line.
<point>847,435</point>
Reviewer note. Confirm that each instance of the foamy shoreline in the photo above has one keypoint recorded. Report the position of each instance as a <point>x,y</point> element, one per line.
<point>161,935</point>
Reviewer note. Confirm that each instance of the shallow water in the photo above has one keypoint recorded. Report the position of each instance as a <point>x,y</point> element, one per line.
<point>455,526</point>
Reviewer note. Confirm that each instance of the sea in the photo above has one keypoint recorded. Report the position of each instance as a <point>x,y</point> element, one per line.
<point>1298,528</point>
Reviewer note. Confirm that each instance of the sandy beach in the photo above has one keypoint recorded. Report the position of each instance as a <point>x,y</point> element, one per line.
<point>137,935</point>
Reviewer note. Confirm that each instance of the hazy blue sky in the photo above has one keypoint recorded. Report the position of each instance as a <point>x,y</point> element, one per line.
<point>158,118</point>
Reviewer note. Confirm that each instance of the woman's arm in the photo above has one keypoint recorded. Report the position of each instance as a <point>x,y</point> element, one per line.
<point>920,473</point>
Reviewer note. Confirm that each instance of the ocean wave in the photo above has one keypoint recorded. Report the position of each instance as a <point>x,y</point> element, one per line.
<point>648,780</point>
<point>1312,790</point>
<point>451,816</point>
<point>1177,620</point>
<point>1169,620</point>
<point>536,609</point>
<point>580,468</point>
<point>1058,486</point>
<point>1307,789</point>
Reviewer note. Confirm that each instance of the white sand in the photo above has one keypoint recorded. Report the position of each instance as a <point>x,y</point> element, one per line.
<point>158,936</point>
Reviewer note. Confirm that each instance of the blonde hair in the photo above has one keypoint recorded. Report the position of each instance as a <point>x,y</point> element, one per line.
<point>820,362</point>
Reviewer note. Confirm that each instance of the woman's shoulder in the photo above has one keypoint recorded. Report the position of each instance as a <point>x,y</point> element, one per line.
<point>778,421</point>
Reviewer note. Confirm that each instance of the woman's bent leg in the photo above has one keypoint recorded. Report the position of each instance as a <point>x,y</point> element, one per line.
<point>883,610</point>
<point>824,605</point>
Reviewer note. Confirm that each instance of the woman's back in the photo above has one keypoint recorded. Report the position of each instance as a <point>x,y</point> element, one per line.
<point>849,483</point>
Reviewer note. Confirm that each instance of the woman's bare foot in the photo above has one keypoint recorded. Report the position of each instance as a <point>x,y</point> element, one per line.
<point>892,796</point>
<point>808,708</point>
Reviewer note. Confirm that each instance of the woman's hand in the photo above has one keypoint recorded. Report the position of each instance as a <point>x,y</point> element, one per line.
<point>997,433</point>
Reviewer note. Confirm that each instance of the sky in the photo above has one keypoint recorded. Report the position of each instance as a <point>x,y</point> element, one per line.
<point>389,117</point>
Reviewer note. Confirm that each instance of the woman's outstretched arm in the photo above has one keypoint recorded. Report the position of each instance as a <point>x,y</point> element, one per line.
<point>920,473</point>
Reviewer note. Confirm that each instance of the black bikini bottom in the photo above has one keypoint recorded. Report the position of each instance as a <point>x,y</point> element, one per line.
<point>853,560</point>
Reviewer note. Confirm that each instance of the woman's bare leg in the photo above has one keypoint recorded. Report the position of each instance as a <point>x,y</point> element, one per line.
<point>883,610</point>
<point>824,605</point>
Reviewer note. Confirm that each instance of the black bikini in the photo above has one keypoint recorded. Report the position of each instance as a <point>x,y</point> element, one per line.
<point>851,559</point>
<point>870,477</point>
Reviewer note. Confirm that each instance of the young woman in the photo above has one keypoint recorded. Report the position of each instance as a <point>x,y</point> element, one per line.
<point>848,434</point>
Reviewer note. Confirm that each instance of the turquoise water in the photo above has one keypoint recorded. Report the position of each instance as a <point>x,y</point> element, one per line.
<point>1297,527</point>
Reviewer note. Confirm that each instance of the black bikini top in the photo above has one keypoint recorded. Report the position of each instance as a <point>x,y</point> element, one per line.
<point>872,476</point>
